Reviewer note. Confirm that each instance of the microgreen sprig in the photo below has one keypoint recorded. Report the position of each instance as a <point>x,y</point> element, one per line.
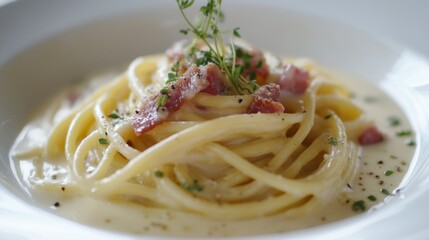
<point>207,31</point>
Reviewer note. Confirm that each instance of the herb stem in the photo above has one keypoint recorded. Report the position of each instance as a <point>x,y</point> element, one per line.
<point>217,52</point>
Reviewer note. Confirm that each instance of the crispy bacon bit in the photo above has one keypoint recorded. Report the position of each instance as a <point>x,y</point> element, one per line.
<point>193,81</point>
<point>294,79</point>
<point>266,100</point>
<point>370,136</point>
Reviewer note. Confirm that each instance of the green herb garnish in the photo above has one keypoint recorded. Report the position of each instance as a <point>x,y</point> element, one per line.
<point>404,133</point>
<point>171,77</point>
<point>164,91</point>
<point>385,191</point>
<point>114,116</point>
<point>194,187</point>
<point>388,173</point>
<point>103,141</point>
<point>372,198</point>
<point>159,174</point>
<point>359,206</point>
<point>210,34</point>
<point>236,33</point>
<point>162,100</point>
<point>332,141</point>
<point>394,121</point>
<point>411,142</point>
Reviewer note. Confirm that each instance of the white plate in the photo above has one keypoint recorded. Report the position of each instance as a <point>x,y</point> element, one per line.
<point>47,44</point>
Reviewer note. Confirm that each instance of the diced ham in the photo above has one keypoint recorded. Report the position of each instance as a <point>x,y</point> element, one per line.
<point>193,81</point>
<point>149,116</point>
<point>266,100</point>
<point>217,81</point>
<point>294,79</point>
<point>370,136</point>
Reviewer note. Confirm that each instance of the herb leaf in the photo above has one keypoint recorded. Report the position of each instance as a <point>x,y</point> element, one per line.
<point>114,116</point>
<point>404,133</point>
<point>162,100</point>
<point>236,33</point>
<point>184,31</point>
<point>394,121</point>
<point>171,77</point>
<point>185,3</point>
<point>332,141</point>
<point>372,198</point>
<point>103,141</point>
<point>159,174</point>
<point>194,187</point>
<point>385,191</point>
<point>359,206</point>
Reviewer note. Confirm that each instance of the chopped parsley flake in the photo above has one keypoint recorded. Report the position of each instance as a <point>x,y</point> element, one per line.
<point>114,116</point>
<point>394,121</point>
<point>411,143</point>
<point>332,141</point>
<point>103,141</point>
<point>385,191</point>
<point>388,173</point>
<point>372,198</point>
<point>159,174</point>
<point>194,187</point>
<point>359,206</point>
<point>404,133</point>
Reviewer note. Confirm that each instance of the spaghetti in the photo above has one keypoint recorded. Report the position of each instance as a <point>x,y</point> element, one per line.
<point>210,157</point>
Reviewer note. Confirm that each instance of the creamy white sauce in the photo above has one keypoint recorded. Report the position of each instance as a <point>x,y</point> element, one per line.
<point>394,154</point>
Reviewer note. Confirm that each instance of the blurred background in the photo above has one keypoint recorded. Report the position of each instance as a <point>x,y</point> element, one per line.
<point>403,21</point>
